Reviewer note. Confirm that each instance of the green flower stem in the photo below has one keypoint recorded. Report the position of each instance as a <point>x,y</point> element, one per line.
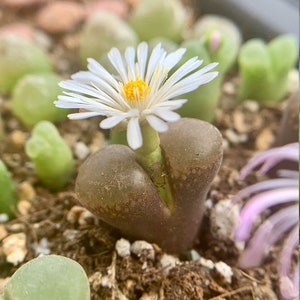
<point>151,159</point>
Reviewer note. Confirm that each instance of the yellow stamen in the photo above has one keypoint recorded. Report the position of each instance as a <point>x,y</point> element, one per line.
<point>136,90</point>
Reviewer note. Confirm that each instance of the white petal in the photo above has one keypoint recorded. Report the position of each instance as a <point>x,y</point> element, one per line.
<point>142,55</point>
<point>130,59</point>
<point>157,123</point>
<point>134,134</point>
<point>167,115</point>
<point>173,58</point>
<point>116,60</point>
<point>156,56</point>
<point>83,115</point>
<point>171,104</point>
<point>111,122</point>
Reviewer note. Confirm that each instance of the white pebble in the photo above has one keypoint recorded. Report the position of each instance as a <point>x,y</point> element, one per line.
<point>251,105</point>
<point>142,247</point>
<point>224,270</point>
<point>224,218</point>
<point>168,262</point>
<point>207,263</point>
<point>123,247</point>
<point>4,218</point>
<point>81,150</point>
<point>14,247</point>
<point>235,138</point>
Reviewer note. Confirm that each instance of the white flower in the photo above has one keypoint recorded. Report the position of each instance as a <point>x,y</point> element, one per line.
<point>141,90</point>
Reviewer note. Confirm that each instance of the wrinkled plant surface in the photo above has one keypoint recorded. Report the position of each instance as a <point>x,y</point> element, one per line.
<point>53,222</point>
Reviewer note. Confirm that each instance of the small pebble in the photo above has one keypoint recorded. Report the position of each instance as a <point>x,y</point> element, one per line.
<point>14,247</point>
<point>23,3</point>
<point>18,29</point>
<point>42,247</point>
<point>229,88</point>
<point>24,207</point>
<point>149,296</point>
<point>26,191</point>
<point>168,262</point>
<point>223,219</point>
<point>3,232</point>
<point>207,263</point>
<point>4,218</point>
<point>140,248</point>
<point>115,6</point>
<point>80,215</point>
<point>123,247</point>
<point>264,139</point>
<point>234,137</point>
<point>224,270</point>
<point>81,150</point>
<point>251,105</point>
<point>70,234</point>
<point>18,138</point>
<point>60,16</point>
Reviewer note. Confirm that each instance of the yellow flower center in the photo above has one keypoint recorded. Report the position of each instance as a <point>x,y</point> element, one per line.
<point>136,90</point>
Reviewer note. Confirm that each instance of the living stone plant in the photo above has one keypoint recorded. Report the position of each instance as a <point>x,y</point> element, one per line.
<point>155,187</point>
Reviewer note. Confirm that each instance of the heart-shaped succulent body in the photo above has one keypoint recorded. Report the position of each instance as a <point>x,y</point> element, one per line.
<point>112,184</point>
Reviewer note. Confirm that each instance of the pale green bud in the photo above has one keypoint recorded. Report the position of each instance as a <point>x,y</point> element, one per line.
<point>51,156</point>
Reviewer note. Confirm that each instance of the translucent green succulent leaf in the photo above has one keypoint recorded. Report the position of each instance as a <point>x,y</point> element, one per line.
<point>103,31</point>
<point>33,96</point>
<point>283,52</point>
<point>8,194</point>
<point>19,57</point>
<point>264,68</point>
<point>48,277</point>
<point>163,18</point>
<point>51,156</point>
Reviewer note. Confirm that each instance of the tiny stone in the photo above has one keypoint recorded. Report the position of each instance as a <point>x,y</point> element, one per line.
<point>224,270</point>
<point>81,150</point>
<point>3,232</point>
<point>149,296</point>
<point>16,227</point>
<point>86,217</point>
<point>4,218</point>
<point>293,81</point>
<point>18,29</point>
<point>26,191</point>
<point>194,254</point>
<point>23,3</point>
<point>168,262</point>
<point>229,88</point>
<point>18,138</point>
<point>70,234</point>
<point>14,247</point>
<point>140,248</point>
<point>224,218</point>
<point>115,6</point>
<point>78,214</point>
<point>42,247</point>
<point>106,281</point>
<point>235,138</point>
<point>123,247</point>
<point>207,263</point>
<point>23,207</point>
<point>251,106</point>
<point>54,19</point>
<point>264,140</point>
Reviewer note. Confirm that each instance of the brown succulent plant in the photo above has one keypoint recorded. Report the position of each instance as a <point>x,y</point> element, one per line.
<point>115,187</point>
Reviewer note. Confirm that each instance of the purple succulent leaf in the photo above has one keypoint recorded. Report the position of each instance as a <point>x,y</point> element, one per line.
<point>289,283</point>
<point>265,185</point>
<point>270,158</point>
<point>267,234</point>
<point>258,203</point>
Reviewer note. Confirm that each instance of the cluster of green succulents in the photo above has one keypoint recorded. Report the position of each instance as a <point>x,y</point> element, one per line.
<point>26,73</point>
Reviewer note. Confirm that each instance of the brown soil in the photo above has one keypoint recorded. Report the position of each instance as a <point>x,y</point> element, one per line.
<point>55,216</point>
